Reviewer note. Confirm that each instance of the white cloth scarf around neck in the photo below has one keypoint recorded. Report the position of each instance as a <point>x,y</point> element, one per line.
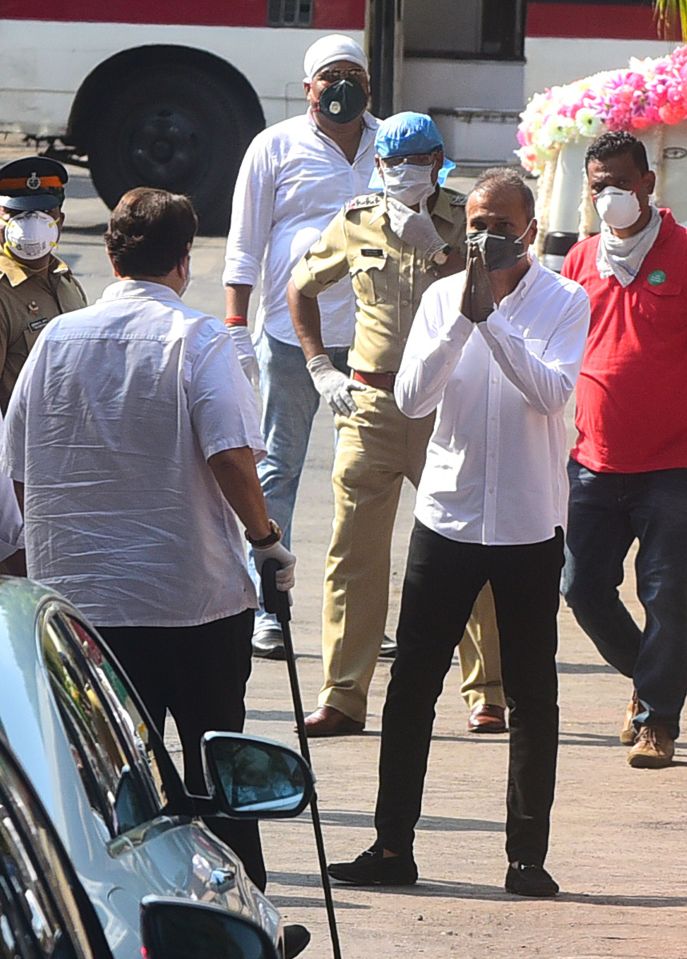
<point>622,257</point>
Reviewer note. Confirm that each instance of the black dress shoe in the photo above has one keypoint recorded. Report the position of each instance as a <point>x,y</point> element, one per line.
<point>371,868</point>
<point>524,880</point>
<point>296,938</point>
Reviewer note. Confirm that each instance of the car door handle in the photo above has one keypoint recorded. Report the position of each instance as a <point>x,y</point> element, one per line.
<point>222,879</point>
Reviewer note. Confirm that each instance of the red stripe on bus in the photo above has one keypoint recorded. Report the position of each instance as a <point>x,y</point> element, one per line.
<point>613,21</point>
<point>328,14</point>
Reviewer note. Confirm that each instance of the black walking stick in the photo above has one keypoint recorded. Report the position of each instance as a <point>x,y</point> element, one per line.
<point>278,602</point>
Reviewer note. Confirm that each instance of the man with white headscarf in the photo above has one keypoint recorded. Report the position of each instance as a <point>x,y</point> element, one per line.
<point>294,178</point>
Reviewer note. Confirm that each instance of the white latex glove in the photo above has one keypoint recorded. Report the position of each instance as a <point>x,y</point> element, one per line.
<point>243,342</point>
<point>285,577</point>
<point>415,229</point>
<point>333,385</point>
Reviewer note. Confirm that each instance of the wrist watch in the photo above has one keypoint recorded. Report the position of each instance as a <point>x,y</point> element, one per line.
<point>441,256</point>
<point>272,537</point>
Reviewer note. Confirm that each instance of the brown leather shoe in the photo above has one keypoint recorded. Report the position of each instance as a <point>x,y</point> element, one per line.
<point>327,721</point>
<point>653,749</point>
<point>628,733</point>
<point>487,719</point>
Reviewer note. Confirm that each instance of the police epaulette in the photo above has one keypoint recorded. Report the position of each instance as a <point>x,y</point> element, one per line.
<point>458,199</point>
<point>363,202</point>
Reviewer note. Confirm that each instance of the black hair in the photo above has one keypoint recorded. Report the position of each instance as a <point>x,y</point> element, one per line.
<point>504,177</point>
<point>150,231</point>
<point>615,143</point>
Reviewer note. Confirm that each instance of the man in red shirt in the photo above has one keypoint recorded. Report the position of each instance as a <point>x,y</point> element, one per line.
<point>628,467</point>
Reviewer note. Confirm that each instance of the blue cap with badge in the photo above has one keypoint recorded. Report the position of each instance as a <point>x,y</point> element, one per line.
<point>406,134</point>
<point>32,183</point>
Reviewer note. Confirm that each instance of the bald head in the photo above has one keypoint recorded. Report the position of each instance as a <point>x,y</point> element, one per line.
<point>503,180</point>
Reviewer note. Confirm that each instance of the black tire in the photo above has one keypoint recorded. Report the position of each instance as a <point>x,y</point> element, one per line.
<point>177,127</point>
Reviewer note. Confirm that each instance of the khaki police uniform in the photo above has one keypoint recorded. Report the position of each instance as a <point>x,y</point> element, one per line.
<point>378,446</point>
<point>28,301</point>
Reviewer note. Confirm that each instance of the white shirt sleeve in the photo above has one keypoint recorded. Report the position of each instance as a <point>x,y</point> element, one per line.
<point>433,348</point>
<point>222,406</point>
<point>11,523</point>
<point>13,432</point>
<point>544,372</point>
<point>251,215</point>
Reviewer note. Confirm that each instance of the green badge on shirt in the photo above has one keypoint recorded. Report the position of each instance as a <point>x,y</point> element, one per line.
<point>657,277</point>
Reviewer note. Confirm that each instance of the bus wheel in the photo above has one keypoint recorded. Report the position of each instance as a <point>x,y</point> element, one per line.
<point>175,127</point>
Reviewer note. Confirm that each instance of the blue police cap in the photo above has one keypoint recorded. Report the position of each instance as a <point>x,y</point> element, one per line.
<point>405,134</point>
<point>32,183</point>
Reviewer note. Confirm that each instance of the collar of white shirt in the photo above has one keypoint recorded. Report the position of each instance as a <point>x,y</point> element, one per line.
<point>511,301</point>
<point>139,289</point>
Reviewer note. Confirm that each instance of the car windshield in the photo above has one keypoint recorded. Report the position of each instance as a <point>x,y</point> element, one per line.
<point>110,739</point>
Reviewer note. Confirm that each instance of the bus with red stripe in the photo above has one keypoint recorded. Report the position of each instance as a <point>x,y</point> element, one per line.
<point>169,94</point>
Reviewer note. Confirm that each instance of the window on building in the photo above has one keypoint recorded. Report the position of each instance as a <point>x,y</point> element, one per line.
<point>289,13</point>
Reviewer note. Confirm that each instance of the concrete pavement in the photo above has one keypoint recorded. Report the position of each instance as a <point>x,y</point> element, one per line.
<point>618,844</point>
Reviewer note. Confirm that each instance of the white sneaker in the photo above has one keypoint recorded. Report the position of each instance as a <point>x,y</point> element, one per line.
<point>269,644</point>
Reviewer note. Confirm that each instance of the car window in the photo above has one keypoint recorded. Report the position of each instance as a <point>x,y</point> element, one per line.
<point>116,689</point>
<point>108,736</point>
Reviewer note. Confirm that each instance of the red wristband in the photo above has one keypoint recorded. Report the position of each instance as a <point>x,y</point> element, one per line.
<point>236,321</point>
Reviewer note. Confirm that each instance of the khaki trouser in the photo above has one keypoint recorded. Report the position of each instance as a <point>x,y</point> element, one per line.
<point>377,447</point>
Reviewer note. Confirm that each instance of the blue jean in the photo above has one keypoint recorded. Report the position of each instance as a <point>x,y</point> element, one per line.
<point>289,404</point>
<point>607,512</point>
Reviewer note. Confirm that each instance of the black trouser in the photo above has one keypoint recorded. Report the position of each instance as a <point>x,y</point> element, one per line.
<point>199,673</point>
<point>441,584</point>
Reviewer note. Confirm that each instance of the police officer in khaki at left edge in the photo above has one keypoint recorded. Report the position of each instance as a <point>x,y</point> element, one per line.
<point>35,285</point>
<point>394,245</point>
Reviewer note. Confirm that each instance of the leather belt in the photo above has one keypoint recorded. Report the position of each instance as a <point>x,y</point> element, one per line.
<point>379,381</point>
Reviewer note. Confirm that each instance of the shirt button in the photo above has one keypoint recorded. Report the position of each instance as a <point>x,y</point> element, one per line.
<point>491,490</point>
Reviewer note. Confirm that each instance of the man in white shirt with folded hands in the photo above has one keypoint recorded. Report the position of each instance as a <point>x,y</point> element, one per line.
<point>496,351</point>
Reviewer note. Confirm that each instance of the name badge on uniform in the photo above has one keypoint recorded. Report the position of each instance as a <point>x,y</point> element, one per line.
<point>36,325</point>
<point>371,251</point>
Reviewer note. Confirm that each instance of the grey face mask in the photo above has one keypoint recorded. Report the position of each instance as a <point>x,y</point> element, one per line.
<point>497,252</point>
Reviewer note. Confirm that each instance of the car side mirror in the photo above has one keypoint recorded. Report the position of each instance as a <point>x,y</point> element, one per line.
<point>254,778</point>
<point>178,929</point>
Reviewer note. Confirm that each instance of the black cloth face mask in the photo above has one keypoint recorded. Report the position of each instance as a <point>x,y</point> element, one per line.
<point>342,101</point>
<point>497,252</point>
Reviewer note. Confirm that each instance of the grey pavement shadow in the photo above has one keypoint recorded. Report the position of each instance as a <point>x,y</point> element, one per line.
<point>303,902</point>
<point>270,715</point>
<point>633,902</point>
<point>433,888</point>
<point>96,229</point>
<point>588,739</point>
<point>360,820</point>
<point>492,738</point>
<point>580,668</point>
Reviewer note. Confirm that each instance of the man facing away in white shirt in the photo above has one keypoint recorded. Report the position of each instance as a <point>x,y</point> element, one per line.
<point>294,179</point>
<point>132,434</point>
<point>496,351</point>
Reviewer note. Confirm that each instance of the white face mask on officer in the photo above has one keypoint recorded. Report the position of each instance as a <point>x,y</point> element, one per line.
<point>408,183</point>
<point>618,208</point>
<point>31,236</point>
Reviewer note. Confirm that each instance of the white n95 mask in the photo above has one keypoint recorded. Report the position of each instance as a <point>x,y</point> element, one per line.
<point>617,208</point>
<point>30,236</point>
<point>408,183</point>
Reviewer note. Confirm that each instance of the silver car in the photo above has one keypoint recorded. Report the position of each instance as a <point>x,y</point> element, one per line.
<point>110,787</point>
<point>46,914</point>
